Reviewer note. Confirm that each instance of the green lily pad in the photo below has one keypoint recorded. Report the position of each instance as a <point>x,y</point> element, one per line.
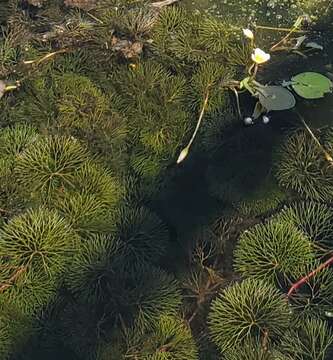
<point>276,98</point>
<point>311,85</point>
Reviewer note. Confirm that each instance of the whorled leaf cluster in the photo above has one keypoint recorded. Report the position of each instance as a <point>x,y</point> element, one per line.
<point>105,100</point>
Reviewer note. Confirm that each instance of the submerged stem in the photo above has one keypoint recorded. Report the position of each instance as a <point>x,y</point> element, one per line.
<point>304,279</point>
<point>285,38</point>
<point>237,102</point>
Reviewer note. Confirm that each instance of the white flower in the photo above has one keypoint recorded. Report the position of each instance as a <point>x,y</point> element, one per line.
<point>182,155</point>
<point>259,56</point>
<point>248,33</point>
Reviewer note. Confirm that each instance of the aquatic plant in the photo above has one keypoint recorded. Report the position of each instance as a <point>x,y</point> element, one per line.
<point>92,266</point>
<point>313,218</point>
<point>124,299</point>
<point>169,337</point>
<point>79,328</point>
<point>95,179</point>
<point>142,234</point>
<point>273,251</point>
<point>85,112</point>
<point>311,341</point>
<point>30,292</point>
<point>267,198</point>
<point>302,167</point>
<point>100,101</point>
<point>90,204</point>
<point>253,350</point>
<point>15,328</point>
<point>234,179</point>
<point>50,164</point>
<point>86,213</point>
<point>250,310</point>
<point>159,295</point>
<point>38,241</point>
<point>14,140</point>
<point>309,85</point>
<point>314,297</point>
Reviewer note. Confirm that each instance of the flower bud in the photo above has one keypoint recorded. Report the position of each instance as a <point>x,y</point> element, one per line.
<point>248,33</point>
<point>182,155</point>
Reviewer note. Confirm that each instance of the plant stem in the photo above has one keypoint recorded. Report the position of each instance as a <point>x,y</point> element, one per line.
<point>95,18</point>
<point>10,87</point>
<point>203,109</point>
<point>46,57</point>
<point>292,30</point>
<point>255,71</point>
<point>304,279</point>
<point>237,102</point>
<point>4,211</point>
<point>280,29</point>
<point>12,279</point>
<point>265,340</point>
<point>328,6</point>
<point>328,157</point>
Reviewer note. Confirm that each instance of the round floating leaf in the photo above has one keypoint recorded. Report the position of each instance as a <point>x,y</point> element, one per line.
<point>311,85</point>
<point>276,98</point>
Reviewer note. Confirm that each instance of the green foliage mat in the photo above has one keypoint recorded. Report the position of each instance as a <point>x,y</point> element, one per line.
<point>109,249</point>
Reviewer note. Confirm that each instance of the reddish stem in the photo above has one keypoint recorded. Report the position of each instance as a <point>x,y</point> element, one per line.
<point>304,279</point>
<point>12,279</point>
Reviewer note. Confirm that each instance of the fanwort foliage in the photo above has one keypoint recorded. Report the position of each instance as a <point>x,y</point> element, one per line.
<point>39,241</point>
<point>303,168</point>
<point>311,340</point>
<point>251,310</point>
<point>273,252</point>
<point>169,338</point>
<point>97,100</point>
<point>314,219</point>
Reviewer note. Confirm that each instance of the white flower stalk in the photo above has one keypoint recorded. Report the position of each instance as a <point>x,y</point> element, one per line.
<point>259,56</point>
